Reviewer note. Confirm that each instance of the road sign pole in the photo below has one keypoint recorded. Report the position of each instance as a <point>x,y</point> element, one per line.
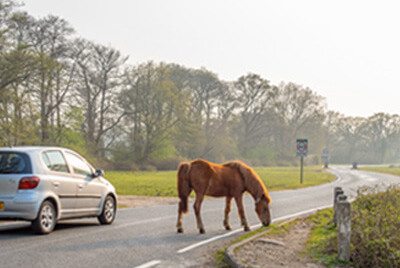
<point>302,148</point>
<point>301,170</point>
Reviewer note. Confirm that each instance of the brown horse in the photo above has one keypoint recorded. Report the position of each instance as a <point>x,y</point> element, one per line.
<point>230,180</point>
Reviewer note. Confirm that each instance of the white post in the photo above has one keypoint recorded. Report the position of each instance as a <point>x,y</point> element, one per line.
<point>344,227</point>
<point>337,191</point>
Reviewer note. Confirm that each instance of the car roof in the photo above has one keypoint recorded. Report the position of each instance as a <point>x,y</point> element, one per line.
<point>29,148</point>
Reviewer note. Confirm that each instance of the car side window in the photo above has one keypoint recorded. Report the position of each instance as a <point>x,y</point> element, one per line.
<point>55,161</point>
<point>78,165</point>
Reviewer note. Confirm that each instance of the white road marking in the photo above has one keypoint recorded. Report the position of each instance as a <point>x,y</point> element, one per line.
<point>149,264</point>
<point>299,213</point>
<point>208,241</point>
<point>129,224</point>
<point>188,248</point>
<point>367,177</point>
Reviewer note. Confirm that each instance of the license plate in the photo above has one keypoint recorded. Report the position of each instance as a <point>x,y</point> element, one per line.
<point>1,205</point>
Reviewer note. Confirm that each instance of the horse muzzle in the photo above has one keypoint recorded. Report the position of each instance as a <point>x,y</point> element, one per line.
<point>266,223</point>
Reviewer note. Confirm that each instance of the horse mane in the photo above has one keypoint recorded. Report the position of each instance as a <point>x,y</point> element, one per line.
<point>252,181</point>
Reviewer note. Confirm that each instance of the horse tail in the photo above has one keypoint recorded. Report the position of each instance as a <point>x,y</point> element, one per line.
<point>184,188</point>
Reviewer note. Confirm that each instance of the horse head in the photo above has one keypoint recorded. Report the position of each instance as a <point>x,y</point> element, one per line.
<point>262,210</point>
<point>256,188</point>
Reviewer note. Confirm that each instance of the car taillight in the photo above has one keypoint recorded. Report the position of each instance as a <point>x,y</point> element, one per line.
<point>28,183</point>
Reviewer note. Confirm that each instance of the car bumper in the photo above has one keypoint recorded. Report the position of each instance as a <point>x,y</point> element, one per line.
<point>24,206</point>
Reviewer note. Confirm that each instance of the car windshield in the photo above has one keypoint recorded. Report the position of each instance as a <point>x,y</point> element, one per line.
<point>14,163</point>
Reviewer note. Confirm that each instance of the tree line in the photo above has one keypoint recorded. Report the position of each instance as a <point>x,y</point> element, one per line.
<point>59,89</point>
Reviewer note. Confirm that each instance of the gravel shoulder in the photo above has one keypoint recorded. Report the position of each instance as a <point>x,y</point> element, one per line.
<point>285,249</point>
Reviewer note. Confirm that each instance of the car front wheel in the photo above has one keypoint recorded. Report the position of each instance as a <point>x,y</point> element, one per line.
<point>46,219</point>
<point>108,213</point>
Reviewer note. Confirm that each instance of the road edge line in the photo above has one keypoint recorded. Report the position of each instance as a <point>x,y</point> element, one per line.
<point>149,264</point>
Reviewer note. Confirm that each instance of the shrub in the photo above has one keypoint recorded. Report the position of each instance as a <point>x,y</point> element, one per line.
<point>375,225</point>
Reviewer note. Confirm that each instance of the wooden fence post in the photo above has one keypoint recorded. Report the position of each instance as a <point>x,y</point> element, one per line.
<point>344,227</point>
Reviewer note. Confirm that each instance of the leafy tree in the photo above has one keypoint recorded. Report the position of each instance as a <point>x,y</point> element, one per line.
<point>347,140</point>
<point>213,103</point>
<point>380,133</point>
<point>154,106</point>
<point>204,130</point>
<point>255,96</point>
<point>299,113</point>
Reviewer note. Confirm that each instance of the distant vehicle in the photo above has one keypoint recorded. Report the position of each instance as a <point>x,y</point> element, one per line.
<point>47,184</point>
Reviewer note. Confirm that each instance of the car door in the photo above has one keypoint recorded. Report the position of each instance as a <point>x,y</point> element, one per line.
<point>60,180</point>
<point>90,190</point>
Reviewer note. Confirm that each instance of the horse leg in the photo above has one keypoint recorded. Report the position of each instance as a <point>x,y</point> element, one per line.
<point>239,203</point>
<point>227,211</point>
<point>179,226</point>
<point>196,206</point>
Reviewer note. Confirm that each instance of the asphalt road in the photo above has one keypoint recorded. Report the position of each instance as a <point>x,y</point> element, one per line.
<point>146,237</point>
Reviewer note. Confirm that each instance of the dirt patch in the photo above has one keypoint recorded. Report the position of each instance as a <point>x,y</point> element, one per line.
<point>129,201</point>
<point>278,250</point>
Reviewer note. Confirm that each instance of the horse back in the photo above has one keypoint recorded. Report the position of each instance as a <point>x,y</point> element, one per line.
<point>215,180</point>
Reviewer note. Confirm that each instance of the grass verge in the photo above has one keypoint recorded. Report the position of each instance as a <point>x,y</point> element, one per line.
<point>321,246</point>
<point>393,170</point>
<point>375,238</point>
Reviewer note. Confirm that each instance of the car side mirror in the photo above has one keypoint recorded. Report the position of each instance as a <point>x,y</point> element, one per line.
<point>98,173</point>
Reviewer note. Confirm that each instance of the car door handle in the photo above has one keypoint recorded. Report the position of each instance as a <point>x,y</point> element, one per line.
<point>56,184</point>
<point>80,186</point>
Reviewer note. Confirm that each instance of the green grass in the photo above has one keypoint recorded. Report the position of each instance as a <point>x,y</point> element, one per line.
<point>394,170</point>
<point>163,183</point>
<point>220,259</point>
<point>321,246</point>
<point>143,183</point>
<point>282,178</point>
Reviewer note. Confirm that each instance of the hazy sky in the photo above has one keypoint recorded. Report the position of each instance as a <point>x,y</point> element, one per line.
<point>347,51</point>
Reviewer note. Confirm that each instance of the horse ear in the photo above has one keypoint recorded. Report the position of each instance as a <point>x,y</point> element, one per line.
<point>263,197</point>
<point>266,197</point>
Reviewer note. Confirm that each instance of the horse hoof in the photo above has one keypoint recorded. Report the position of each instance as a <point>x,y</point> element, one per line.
<point>202,231</point>
<point>180,230</point>
<point>246,228</point>
<point>228,228</point>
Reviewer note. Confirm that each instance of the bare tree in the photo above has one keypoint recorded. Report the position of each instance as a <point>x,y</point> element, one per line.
<point>98,84</point>
<point>17,66</point>
<point>55,71</point>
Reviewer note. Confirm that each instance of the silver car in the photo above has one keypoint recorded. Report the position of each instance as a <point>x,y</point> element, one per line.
<point>47,184</point>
